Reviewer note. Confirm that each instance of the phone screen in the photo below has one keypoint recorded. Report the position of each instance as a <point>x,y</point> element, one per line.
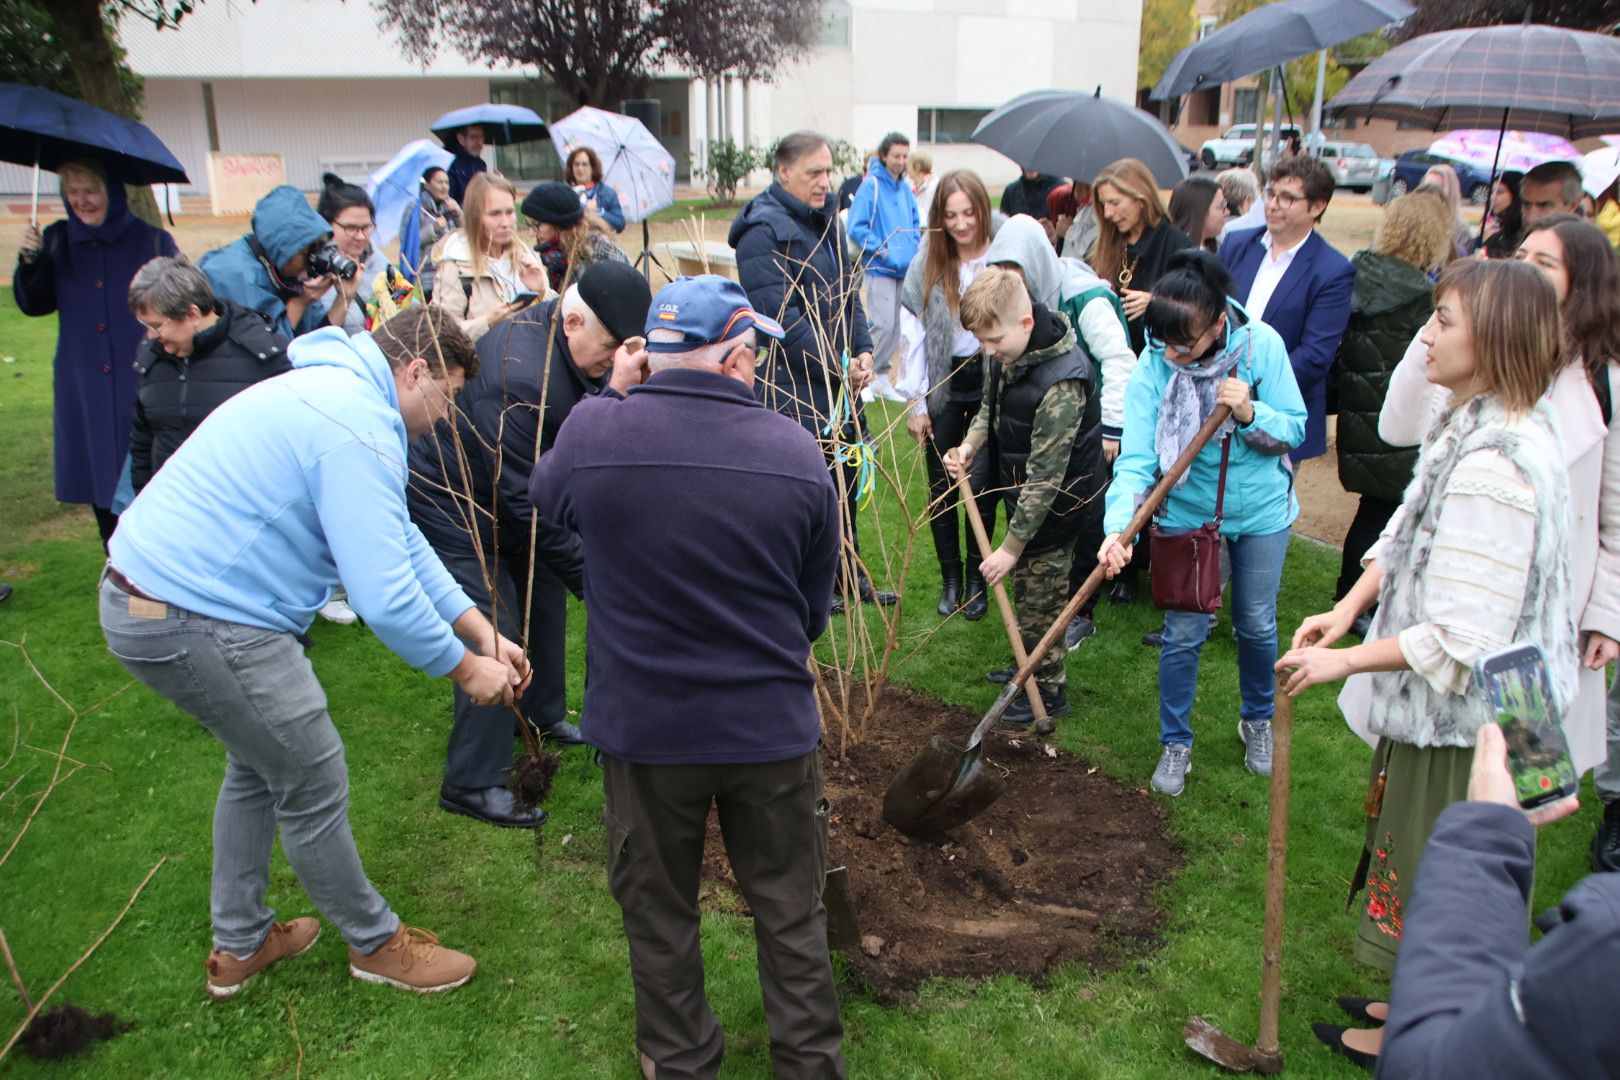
<point>1515,679</point>
<point>524,298</point>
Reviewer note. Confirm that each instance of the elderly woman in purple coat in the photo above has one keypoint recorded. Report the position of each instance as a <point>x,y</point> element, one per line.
<point>80,269</point>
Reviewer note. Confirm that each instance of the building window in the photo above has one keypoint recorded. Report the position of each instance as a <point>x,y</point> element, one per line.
<point>834,33</point>
<point>1245,104</point>
<point>948,125</point>
<point>531,160</point>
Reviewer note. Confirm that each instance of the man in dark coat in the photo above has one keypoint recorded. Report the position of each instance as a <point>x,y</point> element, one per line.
<point>556,353</point>
<point>793,263</point>
<point>1472,997</point>
<point>1027,194</point>
<point>1291,279</point>
<point>712,529</point>
<point>468,162</point>
<point>200,352</point>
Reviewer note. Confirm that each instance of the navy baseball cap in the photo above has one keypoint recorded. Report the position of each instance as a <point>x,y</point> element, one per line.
<point>702,310</point>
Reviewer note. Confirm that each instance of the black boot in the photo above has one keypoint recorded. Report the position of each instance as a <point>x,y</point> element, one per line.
<point>950,593</point>
<point>977,603</point>
<point>1606,844</point>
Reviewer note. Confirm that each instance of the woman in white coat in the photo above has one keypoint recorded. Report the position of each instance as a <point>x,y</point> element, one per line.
<point>1576,257</point>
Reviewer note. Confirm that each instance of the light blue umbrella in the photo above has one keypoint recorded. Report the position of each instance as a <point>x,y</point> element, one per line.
<point>398,184</point>
<point>502,124</point>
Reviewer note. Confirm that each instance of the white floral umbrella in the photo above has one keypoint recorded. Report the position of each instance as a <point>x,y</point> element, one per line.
<point>634,163</point>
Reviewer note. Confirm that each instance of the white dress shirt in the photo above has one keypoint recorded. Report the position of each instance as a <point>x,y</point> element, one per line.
<point>1273,265</point>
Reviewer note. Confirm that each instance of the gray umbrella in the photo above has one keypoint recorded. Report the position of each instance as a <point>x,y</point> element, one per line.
<point>1074,134</point>
<point>1272,35</point>
<point>1546,78</point>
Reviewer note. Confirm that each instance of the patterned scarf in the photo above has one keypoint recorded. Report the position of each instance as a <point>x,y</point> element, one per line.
<point>1189,398</point>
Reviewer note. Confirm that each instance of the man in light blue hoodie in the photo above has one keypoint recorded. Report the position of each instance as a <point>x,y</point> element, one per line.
<point>290,488</point>
<point>885,225</point>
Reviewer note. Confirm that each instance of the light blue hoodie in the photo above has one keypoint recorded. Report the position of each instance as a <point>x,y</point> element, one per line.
<point>884,224</point>
<point>293,486</point>
<point>284,224</point>
<point>1259,483</point>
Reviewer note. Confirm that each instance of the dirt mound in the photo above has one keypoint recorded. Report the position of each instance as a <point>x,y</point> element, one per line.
<point>1061,869</point>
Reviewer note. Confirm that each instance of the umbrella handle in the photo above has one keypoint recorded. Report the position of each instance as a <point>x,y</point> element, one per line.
<point>33,209</point>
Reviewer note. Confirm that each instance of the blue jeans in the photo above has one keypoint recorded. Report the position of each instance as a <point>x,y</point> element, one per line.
<point>1257,565</point>
<point>254,691</point>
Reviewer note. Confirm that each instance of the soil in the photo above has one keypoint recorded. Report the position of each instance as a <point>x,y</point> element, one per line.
<point>1062,869</point>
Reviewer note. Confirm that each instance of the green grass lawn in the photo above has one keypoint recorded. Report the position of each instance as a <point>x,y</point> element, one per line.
<point>553,996</point>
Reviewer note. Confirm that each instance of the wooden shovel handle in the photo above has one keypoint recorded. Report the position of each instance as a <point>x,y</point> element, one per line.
<point>976,521</point>
<point>1282,738</point>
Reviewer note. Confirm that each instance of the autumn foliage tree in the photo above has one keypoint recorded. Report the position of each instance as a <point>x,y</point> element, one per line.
<point>603,51</point>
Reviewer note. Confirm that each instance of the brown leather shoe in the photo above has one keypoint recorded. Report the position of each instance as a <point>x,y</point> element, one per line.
<point>227,974</point>
<point>414,960</point>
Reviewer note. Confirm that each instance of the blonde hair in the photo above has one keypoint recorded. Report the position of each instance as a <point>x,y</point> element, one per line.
<point>473,205</point>
<point>921,163</point>
<point>86,168</point>
<point>1415,230</point>
<point>996,296</point>
<point>1133,180</point>
<point>1513,320</point>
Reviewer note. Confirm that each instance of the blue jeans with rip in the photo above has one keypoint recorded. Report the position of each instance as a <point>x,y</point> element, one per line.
<point>1257,565</point>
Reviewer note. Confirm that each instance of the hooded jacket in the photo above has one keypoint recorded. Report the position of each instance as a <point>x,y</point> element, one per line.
<point>884,223</point>
<point>792,262</point>
<point>1391,301</point>
<point>1472,997</point>
<point>177,394</point>
<point>287,490</point>
<point>1092,308</point>
<point>82,275</point>
<point>284,224</point>
<point>1259,482</point>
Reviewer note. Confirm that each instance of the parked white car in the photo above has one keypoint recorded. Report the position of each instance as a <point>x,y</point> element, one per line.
<point>1236,147</point>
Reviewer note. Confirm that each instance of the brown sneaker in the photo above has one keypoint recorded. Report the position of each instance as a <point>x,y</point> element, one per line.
<point>414,960</point>
<point>227,974</point>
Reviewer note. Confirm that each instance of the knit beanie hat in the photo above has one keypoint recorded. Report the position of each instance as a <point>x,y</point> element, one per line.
<point>554,203</point>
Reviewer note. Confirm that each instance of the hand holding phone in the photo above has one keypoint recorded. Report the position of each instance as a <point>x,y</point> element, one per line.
<point>523,298</point>
<point>1515,681</point>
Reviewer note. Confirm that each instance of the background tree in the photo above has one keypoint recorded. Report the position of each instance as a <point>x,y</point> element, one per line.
<point>601,52</point>
<point>1168,27</point>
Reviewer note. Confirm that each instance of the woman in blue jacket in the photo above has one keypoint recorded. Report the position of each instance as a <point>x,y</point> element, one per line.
<point>1203,349</point>
<point>585,174</point>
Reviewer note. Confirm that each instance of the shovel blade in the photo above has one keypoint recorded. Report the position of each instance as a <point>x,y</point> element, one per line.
<point>918,786</point>
<point>970,794</point>
<point>1207,1040</point>
<point>843,926</point>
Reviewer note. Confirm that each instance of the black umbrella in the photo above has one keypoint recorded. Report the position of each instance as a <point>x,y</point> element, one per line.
<point>1074,134</point>
<point>1550,79</point>
<point>45,129</point>
<point>1272,35</point>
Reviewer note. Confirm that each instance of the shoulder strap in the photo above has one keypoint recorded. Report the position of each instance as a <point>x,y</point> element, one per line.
<point>1603,388</point>
<point>1220,485</point>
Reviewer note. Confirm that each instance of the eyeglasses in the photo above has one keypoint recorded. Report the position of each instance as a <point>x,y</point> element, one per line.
<point>1180,349</point>
<point>1284,199</point>
<point>356,231</point>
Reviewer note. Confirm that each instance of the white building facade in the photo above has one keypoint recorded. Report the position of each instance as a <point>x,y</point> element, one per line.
<point>319,82</point>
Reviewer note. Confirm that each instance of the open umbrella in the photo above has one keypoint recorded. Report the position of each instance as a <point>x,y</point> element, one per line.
<point>1600,168</point>
<point>45,129</point>
<point>502,124</point>
<point>1075,134</point>
<point>398,184</point>
<point>1519,151</point>
<point>634,163</point>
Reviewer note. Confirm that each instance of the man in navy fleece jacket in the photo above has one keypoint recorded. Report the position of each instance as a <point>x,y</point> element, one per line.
<point>712,527</point>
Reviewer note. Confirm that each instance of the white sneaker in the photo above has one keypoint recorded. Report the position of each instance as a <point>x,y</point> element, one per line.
<point>883,388</point>
<point>866,395</point>
<point>338,611</point>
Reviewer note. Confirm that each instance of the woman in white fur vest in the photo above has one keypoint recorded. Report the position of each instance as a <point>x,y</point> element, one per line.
<point>1476,558</point>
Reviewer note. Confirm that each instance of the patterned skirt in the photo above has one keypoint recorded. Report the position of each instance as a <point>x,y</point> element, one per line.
<point>1418,783</point>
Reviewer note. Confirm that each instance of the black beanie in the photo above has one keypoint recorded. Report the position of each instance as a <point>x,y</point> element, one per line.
<point>618,295</point>
<point>553,203</point>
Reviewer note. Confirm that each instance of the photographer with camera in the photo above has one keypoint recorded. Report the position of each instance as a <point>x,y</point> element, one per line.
<point>349,211</point>
<point>283,267</point>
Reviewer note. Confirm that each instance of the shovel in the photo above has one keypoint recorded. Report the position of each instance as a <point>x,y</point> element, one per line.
<point>943,787</point>
<point>1043,723</point>
<point>1204,1038</point>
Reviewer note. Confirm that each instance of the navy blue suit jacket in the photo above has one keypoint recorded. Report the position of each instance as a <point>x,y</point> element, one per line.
<point>1309,310</point>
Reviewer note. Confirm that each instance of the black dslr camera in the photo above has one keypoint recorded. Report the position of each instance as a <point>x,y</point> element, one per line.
<point>327,259</point>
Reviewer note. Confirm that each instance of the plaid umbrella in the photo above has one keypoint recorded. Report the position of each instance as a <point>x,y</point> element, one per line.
<point>1546,78</point>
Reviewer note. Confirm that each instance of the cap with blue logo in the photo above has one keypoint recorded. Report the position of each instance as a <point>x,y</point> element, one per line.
<point>702,310</point>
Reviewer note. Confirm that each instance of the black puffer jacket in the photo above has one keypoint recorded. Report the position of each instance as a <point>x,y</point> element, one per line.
<point>1391,302</point>
<point>176,394</point>
<point>791,260</point>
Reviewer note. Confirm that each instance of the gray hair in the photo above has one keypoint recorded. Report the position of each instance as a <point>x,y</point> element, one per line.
<point>794,146</point>
<point>170,287</point>
<point>1564,173</point>
<point>1239,186</point>
<point>574,304</point>
<point>713,352</point>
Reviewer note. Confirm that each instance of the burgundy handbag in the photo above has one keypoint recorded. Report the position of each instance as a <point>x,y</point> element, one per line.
<point>1186,567</point>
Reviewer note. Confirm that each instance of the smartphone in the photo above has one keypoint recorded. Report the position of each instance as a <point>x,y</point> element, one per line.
<point>524,298</point>
<point>1515,680</point>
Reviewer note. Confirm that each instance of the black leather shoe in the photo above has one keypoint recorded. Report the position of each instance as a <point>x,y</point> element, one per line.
<point>5,592</point>
<point>1606,845</point>
<point>1080,628</point>
<point>950,593</point>
<point>1002,675</point>
<point>1154,639</point>
<point>1123,592</point>
<point>977,604</point>
<point>1356,1009</point>
<point>491,805</point>
<point>1020,715</point>
<point>869,595</point>
<point>563,733</point>
<point>1333,1036</point>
